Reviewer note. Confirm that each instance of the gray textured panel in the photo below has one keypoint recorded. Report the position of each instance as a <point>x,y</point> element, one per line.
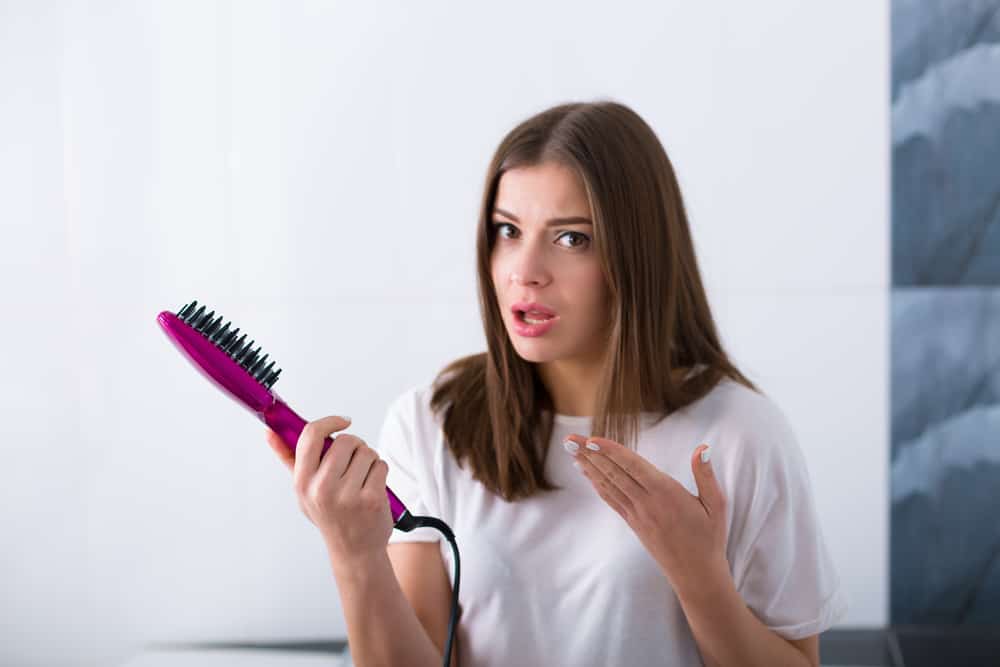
<point>946,142</point>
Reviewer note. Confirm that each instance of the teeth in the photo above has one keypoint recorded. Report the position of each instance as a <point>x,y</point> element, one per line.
<point>533,320</point>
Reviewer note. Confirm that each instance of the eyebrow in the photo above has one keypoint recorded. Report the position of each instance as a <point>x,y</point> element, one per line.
<point>574,220</point>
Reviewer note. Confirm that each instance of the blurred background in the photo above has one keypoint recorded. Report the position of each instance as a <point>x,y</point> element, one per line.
<point>312,170</point>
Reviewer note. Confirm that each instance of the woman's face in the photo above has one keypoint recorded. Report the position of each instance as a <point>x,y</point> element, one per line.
<point>537,258</point>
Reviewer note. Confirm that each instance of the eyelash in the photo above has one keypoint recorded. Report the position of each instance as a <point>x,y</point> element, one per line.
<point>498,225</point>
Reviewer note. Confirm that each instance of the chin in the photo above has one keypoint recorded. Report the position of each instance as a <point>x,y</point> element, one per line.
<point>533,352</point>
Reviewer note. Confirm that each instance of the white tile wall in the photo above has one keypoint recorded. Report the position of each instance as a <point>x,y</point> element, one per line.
<point>317,169</point>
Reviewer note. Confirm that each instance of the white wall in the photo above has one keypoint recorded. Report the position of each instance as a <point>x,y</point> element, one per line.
<point>315,168</point>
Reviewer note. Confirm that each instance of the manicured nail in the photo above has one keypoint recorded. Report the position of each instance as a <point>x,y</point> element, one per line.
<point>571,446</point>
<point>346,418</point>
<point>706,454</point>
<point>593,446</point>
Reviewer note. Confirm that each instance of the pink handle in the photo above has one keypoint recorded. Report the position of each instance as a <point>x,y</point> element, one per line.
<point>282,420</point>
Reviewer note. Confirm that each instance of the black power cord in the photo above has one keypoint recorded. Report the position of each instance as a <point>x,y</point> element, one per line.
<point>408,522</point>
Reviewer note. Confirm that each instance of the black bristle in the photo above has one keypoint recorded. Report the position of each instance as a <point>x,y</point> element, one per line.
<point>193,317</point>
<point>251,359</point>
<point>262,375</point>
<point>256,365</point>
<point>203,322</point>
<point>225,339</point>
<point>228,338</point>
<point>234,346</point>
<point>199,318</point>
<point>220,334</point>
<point>269,379</point>
<point>212,327</point>
<point>244,354</point>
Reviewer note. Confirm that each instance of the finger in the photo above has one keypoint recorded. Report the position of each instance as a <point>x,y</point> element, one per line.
<point>627,484</point>
<point>631,463</point>
<point>280,448</point>
<point>364,458</point>
<point>612,471</point>
<point>709,490</point>
<point>309,447</point>
<point>613,496</point>
<point>577,439</point>
<point>606,470</point>
<point>337,460</point>
<point>376,475</point>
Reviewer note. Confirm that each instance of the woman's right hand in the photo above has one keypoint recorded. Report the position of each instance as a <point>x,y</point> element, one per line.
<point>342,492</point>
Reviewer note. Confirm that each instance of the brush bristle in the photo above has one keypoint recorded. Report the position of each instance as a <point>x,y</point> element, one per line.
<point>210,326</point>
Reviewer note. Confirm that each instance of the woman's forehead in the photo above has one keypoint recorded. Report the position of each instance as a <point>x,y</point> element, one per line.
<point>541,191</point>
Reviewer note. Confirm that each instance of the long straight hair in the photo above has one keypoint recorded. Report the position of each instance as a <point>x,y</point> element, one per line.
<point>497,414</point>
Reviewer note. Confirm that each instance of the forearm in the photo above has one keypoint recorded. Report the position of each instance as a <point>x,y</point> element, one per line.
<point>728,633</point>
<point>382,628</point>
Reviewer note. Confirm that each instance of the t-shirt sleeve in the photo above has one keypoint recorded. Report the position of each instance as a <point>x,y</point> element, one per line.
<point>403,445</point>
<point>783,569</point>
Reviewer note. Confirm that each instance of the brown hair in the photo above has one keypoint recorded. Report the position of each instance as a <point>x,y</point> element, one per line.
<point>497,413</point>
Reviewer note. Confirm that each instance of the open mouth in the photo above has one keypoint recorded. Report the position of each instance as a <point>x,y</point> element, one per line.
<point>533,317</point>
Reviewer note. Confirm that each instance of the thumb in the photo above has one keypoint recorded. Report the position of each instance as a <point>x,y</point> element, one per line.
<point>280,448</point>
<point>709,490</point>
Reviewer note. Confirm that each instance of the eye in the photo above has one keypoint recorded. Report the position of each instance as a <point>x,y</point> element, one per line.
<point>583,238</point>
<point>500,225</point>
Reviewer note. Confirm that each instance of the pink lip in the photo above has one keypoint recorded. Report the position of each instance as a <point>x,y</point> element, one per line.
<point>532,305</point>
<point>532,330</point>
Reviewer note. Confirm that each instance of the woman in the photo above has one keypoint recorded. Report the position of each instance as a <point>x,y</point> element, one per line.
<point>571,459</point>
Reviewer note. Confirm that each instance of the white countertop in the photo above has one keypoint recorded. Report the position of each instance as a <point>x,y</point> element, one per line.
<point>234,658</point>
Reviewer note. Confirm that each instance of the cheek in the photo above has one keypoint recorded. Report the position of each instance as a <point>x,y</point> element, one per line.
<point>500,261</point>
<point>496,270</point>
<point>593,291</point>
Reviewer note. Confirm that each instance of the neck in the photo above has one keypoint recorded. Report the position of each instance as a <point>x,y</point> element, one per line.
<point>573,385</point>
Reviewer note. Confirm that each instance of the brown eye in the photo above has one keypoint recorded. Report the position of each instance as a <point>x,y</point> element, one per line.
<point>498,225</point>
<point>584,239</point>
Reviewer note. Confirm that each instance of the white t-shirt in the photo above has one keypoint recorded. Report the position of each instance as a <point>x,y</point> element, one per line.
<point>560,578</point>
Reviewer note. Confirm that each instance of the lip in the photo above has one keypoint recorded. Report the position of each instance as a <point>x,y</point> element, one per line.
<point>532,330</point>
<point>532,305</point>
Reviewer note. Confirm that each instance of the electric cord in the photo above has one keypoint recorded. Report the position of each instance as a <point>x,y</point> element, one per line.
<point>408,522</point>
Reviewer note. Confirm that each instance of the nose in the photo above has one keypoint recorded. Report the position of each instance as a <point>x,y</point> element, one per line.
<point>527,267</point>
<point>527,277</point>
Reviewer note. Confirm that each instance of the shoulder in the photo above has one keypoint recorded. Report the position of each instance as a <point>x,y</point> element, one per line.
<point>749,420</point>
<point>446,388</point>
<point>739,408</point>
<point>412,401</point>
<point>412,408</point>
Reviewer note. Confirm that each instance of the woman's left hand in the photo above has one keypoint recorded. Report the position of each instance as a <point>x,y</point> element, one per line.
<point>685,534</point>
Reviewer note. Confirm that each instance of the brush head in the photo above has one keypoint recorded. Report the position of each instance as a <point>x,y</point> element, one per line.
<point>225,339</point>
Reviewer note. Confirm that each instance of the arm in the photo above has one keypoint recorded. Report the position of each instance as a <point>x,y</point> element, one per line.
<point>728,633</point>
<point>426,583</point>
<point>382,627</point>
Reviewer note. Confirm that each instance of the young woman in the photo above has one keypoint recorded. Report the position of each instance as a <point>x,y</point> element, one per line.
<point>571,458</point>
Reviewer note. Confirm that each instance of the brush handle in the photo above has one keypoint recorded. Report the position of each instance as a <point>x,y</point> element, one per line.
<point>282,420</point>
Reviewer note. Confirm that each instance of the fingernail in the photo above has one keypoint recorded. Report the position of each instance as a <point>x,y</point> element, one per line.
<point>346,418</point>
<point>706,454</point>
<point>571,446</point>
<point>593,446</point>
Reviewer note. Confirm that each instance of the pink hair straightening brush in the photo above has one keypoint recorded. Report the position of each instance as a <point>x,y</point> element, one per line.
<point>238,370</point>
